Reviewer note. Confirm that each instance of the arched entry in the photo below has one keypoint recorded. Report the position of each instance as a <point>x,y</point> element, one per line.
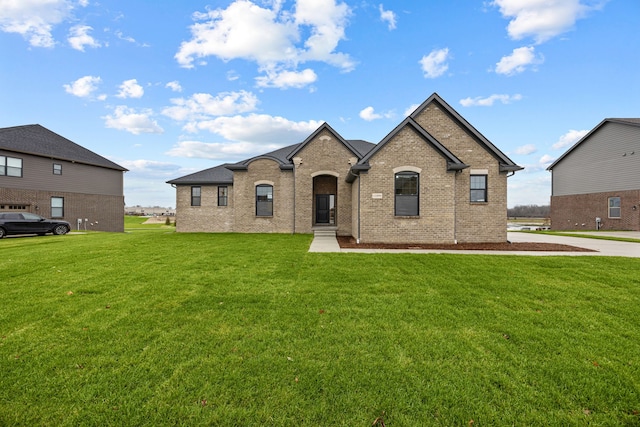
<point>325,189</point>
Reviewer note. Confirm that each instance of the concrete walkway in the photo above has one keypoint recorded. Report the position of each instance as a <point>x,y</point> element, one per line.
<point>328,243</point>
<point>324,241</point>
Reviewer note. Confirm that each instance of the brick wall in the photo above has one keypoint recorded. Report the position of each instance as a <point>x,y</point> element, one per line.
<point>244,195</point>
<point>579,211</point>
<point>208,217</point>
<point>475,222</point>
<point>102,212</point>
<point>324,153</point>
<point>435,221</point>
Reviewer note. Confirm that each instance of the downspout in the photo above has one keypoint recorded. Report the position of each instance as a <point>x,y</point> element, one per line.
<point>358,239</point>
<point>455,207</point>
<point>294,199</point>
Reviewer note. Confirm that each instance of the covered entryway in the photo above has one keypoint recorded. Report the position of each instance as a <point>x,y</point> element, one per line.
<point>325,188</point>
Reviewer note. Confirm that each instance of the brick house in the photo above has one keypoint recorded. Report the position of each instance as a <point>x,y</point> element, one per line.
<point>433,179</point>
<point>596,183</point>
<point>44,173</point>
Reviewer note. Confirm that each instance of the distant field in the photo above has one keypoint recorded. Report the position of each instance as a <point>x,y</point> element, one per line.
<point>163,328</point>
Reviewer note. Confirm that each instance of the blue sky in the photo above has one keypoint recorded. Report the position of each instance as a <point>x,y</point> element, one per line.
<point>167,88</point>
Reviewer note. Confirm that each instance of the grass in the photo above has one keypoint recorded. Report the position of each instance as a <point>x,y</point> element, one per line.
<point>134,223</point>
<point>243,330</point>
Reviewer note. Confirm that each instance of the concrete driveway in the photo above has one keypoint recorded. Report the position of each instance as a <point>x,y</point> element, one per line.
<point>603,247</point>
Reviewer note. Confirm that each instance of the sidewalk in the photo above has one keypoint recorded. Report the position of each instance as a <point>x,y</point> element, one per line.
<point>603,247</point>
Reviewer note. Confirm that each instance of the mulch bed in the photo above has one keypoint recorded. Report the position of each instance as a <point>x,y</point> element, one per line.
<point>350,243</point>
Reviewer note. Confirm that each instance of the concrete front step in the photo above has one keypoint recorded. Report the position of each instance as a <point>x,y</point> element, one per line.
<point>328,233</point>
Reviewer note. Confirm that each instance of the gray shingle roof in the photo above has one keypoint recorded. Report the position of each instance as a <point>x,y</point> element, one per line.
<point>223,174</point>
<point>40,141</point>
<point>218,175</point>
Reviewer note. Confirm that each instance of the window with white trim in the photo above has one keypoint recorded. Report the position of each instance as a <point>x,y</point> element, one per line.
<point>614,207</point>
<point>10,166</point>
<point>57,207</point>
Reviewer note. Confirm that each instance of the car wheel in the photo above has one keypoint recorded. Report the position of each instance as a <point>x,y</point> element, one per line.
<point>2,233</point>
<point>60,229</point>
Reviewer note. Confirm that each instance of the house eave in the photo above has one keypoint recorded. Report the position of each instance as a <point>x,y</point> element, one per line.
<point>510,168</point>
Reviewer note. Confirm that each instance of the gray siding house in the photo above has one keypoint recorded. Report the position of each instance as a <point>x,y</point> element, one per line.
<point>44,173</point>
<point>596,183</point>
<point>433,179</point>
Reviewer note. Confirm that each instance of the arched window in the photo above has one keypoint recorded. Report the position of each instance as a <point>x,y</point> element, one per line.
<point>407,185</point>
<point>264,200</point>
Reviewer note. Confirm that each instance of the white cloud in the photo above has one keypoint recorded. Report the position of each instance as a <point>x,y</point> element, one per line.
<point>531,186</point>
<point>259,128</point>
<point>219,150</point>
<point>369,114</point>
<point>130,89</point>
<point>79,37</point>
<point>518,61</point>
<point>127,119</point>
<point>287,79</point>
<point>546,160</point>
<point>272,38</point>
<point>569,138</point>
<point>543,20</point>
<point>149,168</point>
<point>203,106</point>
<point>490,100</point>
<point>83,87</point>
<point>435,63</point>
<point>174,86</point>
<point>34,19</point>
<point>410,109</point>
<point>388,16</point>
<point>121,36</point>
<point>526,149</point>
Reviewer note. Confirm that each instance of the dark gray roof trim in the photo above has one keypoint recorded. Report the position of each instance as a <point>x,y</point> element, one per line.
<point>219,175</point>
<point>506,164</point>
<point>628,121</point>
<point>453,163</point>
<point>37,140</point>
<point>322,127</point>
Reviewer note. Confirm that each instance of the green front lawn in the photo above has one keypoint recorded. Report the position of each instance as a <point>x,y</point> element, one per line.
<point>250,330</point>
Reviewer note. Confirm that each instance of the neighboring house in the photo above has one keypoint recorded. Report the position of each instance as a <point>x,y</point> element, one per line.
<point>43,173</point>
<point>596,183</point>
<point>433,179</point>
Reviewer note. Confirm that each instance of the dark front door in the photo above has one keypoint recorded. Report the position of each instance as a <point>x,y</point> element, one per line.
<point>323,208</point>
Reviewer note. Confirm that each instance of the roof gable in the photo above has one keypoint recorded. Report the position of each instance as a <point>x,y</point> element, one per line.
<point>623,121</point>
<point>324,126</point>
<point>453,163</point>
<point>37,140</point>
<point>506,164</point>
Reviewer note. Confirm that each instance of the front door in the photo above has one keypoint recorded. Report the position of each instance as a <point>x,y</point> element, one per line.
<point>323,208</point>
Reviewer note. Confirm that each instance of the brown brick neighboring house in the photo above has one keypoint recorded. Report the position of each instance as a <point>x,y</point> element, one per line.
<point>433,179</point>
<point>596,183</point>
<point>44,173</point>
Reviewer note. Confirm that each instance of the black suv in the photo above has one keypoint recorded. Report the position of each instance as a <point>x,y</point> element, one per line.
<point>28,223</point>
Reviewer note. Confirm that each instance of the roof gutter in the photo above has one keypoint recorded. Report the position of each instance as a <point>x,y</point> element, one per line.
<point>355,170</point>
